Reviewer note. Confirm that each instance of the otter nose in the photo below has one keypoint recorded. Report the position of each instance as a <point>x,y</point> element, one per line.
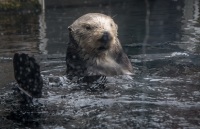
<point>105,37</point>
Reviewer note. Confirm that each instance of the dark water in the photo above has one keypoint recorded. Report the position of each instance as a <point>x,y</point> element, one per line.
<point>162,39</point>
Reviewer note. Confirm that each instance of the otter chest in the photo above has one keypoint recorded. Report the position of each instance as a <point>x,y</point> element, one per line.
<point>106,66</point>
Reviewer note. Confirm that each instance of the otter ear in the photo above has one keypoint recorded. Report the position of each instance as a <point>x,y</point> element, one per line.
<point>70,28</point>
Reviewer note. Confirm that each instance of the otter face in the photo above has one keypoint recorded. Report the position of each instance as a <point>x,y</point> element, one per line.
<point>95,33</point>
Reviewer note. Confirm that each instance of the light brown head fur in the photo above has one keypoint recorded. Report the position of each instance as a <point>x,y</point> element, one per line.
<point>88,30</point>
<point>93,41</point>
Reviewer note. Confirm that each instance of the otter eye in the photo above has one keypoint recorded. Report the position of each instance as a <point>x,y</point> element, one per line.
<point>111,24</point>
<point>88,27</point>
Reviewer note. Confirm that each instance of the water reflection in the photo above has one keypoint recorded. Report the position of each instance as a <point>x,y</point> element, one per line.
<point>42,34</point>
<point>19,33</point>
<point>163,93</point>
<point>191,30</point>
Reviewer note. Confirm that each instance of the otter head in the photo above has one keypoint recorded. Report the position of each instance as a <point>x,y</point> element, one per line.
<point>94,33</point>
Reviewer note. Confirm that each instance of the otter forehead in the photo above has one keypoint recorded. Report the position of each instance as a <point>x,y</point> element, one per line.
<point>96,20</point>
<point>99,19</point>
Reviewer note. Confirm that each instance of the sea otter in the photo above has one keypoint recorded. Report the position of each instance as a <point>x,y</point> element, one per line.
<point>94,48</point>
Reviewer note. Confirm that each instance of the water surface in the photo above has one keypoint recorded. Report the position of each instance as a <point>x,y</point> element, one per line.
<point>162,40</point>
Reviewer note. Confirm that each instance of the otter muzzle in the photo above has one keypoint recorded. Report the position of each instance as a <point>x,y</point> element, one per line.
<point>106,37</point>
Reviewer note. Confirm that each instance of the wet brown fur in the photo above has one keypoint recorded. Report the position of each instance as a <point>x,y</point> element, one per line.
<point>88,55</point>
